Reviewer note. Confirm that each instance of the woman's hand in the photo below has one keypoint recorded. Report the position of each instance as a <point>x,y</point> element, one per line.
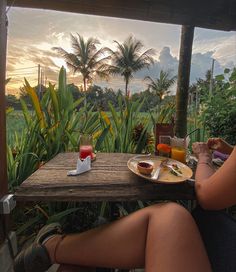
<point>201,149</point>
<point>219,145</point>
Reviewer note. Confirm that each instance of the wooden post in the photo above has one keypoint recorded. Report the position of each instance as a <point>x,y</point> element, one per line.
<point>3,156</point>
<point>185,54</point>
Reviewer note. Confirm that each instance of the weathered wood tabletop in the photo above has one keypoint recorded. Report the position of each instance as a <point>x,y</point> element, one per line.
<point>109,180</point>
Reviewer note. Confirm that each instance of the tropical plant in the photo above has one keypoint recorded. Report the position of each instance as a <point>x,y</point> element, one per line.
<point>54,125</point>
<point>86,59</point>
<point>23,155</point>
<point>219,111</point>
<point>165,113</point>
<point>200,90</point>
<point>128,59</point>
<point>161,84</point>
<point>120,129</point>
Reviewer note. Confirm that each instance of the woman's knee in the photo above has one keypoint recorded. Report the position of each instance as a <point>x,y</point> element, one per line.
<point>171,211</point>
<point>170,219</point>
<point>168,206</point>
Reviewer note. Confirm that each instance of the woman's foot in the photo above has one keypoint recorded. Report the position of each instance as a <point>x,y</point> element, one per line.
<point>51,245</point>
<point>36,257</point>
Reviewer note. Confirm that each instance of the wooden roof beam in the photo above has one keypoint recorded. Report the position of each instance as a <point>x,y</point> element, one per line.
<point>213,14</point>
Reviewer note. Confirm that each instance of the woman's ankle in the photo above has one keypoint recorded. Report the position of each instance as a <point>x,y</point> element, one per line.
<point>52,245</point>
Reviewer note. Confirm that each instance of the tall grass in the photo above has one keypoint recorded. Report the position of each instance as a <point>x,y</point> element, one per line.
<point>119,128</point>
<point>15,124</point>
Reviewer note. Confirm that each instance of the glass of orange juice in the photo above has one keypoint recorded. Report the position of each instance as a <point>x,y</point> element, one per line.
<point>178,149</point>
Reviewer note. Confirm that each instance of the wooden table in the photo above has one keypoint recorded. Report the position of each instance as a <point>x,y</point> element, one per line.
<point>109,180</point>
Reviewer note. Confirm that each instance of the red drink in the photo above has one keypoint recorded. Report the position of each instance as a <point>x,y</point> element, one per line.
<point>85,151</point>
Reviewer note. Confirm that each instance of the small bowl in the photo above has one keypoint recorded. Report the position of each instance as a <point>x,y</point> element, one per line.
<point>145,168</point>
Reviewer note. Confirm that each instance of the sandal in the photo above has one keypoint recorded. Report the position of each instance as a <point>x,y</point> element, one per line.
<point>35,258</point>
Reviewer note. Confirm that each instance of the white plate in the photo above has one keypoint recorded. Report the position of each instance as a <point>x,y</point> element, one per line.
<point>165,175</point>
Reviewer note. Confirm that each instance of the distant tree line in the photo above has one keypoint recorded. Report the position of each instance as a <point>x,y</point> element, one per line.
<point>97,97</point>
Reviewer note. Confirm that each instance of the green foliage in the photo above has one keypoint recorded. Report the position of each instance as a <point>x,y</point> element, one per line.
<point>219,110</point>
<point>12,101</point>
<point>120,128</point>
<point>24,157</point>
<point>164,113</point>
<point>15,124</point>
<point>96,96</point>
<point>54,125</point>
<point>74,217</point>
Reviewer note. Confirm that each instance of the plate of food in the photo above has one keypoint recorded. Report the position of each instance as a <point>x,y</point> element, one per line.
<point>159,169</point>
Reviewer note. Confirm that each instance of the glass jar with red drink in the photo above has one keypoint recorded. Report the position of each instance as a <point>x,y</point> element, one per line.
<point>86,146</point>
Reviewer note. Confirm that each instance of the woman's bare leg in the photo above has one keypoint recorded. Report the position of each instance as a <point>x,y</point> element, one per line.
<point>75,268</point>
<point>161,237</point>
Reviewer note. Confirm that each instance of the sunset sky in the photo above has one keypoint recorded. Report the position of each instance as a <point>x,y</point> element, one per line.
<point>33,33</point>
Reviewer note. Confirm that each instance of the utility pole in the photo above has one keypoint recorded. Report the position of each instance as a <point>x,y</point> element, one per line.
<point>211,80</point>
<point>39,80</point>
<point>45,77</point>
<point>42,75</point>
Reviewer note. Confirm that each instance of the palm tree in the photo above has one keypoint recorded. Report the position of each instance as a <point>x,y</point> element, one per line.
<point>86,59</point>
<point>162,84</point>
<point>128,59</point>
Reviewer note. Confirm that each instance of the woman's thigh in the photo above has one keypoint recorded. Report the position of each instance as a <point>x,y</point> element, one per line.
<point>75,268</point>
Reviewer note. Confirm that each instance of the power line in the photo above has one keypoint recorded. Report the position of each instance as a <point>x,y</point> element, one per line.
<point>22,74</point>
<point>20,80</point>
<point>23,68</point>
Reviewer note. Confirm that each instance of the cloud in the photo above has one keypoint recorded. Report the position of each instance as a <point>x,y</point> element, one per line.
<point>167,61</point>
<point>33,33</point>
<point>221,43</point>
<point>201,62</point>
<point>33,26</point>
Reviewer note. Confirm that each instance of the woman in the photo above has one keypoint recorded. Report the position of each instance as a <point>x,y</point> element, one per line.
<point>216,190</point>
<point>161,238</point>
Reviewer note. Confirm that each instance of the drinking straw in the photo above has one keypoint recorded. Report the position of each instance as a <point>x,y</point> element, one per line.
<point>191,133</point>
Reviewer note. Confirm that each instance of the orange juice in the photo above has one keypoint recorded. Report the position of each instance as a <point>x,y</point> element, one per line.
<point>178,153</point>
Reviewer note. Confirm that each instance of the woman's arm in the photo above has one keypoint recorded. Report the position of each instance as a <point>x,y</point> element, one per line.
<point>215,190</point>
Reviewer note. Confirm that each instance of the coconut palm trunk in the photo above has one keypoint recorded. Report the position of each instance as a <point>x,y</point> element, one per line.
<point>126,86</point>
<point>187,34</point>
<point>85,93</point>
<point>85,85</point>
